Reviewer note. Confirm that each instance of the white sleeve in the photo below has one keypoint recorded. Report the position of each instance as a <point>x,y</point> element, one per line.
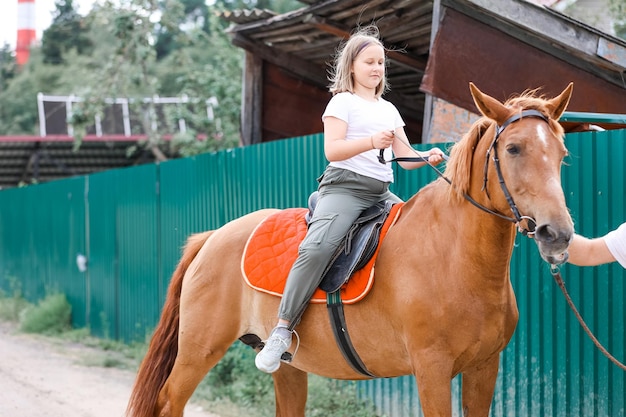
<point>398,118</point>
<point>616,242</point>
<point>338,107</point>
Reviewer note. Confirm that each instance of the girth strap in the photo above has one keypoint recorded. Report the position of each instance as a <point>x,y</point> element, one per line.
<point>340,330</point>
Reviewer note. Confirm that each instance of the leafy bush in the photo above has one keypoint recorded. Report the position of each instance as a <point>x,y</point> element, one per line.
<point>51,315</point>
<point>336,398</point>
<point>11,307</point>
<point>236,379</point>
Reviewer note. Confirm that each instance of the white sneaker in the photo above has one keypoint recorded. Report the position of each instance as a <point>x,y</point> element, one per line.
<point>268,359</point>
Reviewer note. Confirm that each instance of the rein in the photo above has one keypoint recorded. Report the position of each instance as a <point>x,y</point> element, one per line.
<point>554,270</point>
<point>518,218</point>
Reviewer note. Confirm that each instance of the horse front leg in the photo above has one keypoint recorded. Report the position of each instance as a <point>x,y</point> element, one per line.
<point>478,388</point>
<point>290,388</point>
<point>433,377</point>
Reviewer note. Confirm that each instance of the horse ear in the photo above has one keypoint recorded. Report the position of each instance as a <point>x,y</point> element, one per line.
<point>489,106</point>
<point>558,104</point>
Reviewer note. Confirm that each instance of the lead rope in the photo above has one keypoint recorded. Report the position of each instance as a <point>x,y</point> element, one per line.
<point>554,270</point>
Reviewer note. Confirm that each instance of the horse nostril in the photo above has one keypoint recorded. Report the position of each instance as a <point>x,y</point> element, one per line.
<point>548,234</point>
<point>545,233</point>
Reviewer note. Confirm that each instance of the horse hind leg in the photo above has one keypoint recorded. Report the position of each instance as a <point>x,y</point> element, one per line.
<point>202,343</point>
<point>190,367</point>
<point>290,389</point>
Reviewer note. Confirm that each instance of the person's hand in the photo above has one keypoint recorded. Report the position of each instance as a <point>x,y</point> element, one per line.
<point>383,140</point>
<point>435,156</point>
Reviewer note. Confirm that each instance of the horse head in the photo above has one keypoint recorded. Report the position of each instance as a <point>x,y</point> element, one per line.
<point>510,163</point>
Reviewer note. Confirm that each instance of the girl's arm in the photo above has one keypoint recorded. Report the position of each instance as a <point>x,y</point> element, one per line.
<point>337,148</point>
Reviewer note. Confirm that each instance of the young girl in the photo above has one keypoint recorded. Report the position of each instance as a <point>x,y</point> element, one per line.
<point>358,122</point>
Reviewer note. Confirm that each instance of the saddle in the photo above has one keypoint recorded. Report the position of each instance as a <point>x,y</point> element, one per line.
<point>273,247</point>
<point>358,246</point>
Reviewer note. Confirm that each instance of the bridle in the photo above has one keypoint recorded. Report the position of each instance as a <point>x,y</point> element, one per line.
<point>496,161</point>
<point>517,217</point>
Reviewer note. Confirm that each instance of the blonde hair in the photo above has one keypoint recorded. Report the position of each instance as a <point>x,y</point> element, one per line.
<point>340,75</point>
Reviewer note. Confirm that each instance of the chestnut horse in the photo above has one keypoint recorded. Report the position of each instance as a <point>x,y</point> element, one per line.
<point>442,303</point>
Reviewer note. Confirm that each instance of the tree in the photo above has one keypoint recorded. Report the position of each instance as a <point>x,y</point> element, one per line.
<point>8,67</point>
<point>68,31</point>
<point>617,9</point>
<point>208,66</point>
<point>278,6</point>
<point>18,102</point>
<point>195,15</point>
<point>203,64</point>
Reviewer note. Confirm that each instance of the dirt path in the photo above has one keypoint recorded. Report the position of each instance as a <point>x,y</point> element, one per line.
<point>40,377</point>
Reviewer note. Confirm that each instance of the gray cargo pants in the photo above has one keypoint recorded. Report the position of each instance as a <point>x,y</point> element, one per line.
<point>343,195</point>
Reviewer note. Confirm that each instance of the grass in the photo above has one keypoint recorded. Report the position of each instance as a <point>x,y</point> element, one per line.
<point>234,388</point>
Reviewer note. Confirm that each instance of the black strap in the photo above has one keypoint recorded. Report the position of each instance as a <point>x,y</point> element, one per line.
<point>340,330</point>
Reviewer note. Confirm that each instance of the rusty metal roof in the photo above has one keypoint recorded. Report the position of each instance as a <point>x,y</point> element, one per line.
<point>37,161</point>
<point>303,41</point>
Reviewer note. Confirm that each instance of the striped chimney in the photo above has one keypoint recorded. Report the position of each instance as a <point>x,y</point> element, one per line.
<point>25,30</point>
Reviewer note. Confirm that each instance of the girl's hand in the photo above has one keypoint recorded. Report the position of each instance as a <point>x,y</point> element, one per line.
<point>435,156</point>
<point>383,140</point>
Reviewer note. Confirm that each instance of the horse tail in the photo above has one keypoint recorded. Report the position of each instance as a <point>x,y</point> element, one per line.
<point>159,360</point>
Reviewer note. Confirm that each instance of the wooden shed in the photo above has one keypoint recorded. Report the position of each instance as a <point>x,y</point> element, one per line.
<point>436,49</point>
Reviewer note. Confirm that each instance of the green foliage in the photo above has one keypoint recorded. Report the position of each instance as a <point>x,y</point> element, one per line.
<point>11,307</point>
<point>18,102</point>
<point>617,9</point>
<point>50,316</point>
<point>67,32</point>
<point>278,6</point>
<point>236,380</point>
<point>8,67</point>
<point>208,64</point>
<point>336,398</point>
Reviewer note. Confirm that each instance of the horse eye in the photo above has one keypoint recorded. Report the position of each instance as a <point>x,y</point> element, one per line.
<point>513,149</point>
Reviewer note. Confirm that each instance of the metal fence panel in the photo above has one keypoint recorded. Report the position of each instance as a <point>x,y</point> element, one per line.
<point>102,273</point>
<point>132,223</point>
<point>123,252</point>
<point>138,250</point>
<point>42,231</point>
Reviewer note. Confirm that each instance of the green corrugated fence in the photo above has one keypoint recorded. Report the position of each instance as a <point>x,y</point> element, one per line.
<point>131,224</point>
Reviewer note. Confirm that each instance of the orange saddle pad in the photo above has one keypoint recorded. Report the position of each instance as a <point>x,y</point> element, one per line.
<point>272,249</point>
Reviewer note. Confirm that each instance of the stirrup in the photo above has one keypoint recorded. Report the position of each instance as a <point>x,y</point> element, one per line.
<point>288,357</point>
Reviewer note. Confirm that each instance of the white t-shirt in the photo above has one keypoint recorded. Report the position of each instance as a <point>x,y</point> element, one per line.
<point>616,242</point>
<point>365,118</point>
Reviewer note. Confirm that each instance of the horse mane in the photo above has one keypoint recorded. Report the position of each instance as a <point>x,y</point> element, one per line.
<point>459,167</point>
